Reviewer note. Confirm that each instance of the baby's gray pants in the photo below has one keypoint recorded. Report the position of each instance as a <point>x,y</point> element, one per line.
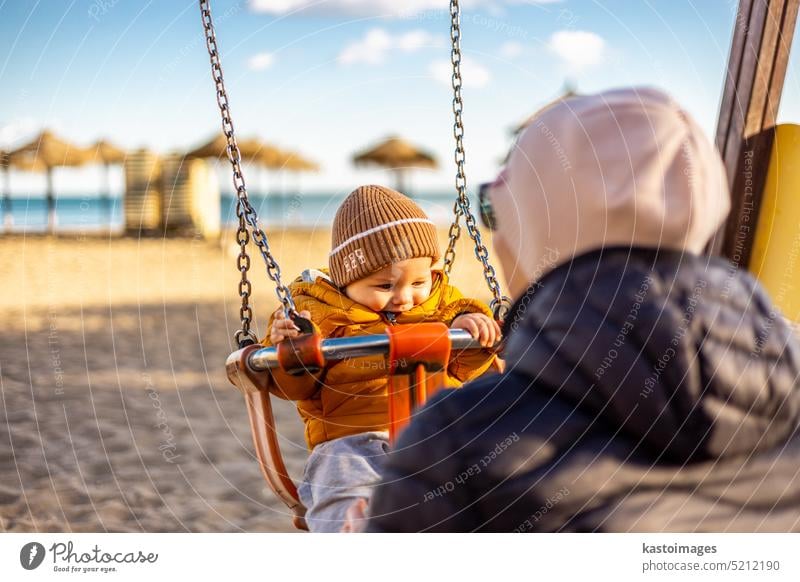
<point>339,472</point>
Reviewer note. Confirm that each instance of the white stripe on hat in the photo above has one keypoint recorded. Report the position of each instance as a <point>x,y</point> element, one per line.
<point>376,229</point>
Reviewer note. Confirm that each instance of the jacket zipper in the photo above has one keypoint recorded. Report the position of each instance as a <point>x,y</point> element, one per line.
<point>390,317</point>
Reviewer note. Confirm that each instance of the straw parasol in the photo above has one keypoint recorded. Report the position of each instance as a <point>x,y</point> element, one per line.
<point>252,150</point>
<point>295,162</point>
<point>47,152</point>
<point>396,155</point>
<point>215,148</point>
<point>107,154</point>
<point>264,154</point>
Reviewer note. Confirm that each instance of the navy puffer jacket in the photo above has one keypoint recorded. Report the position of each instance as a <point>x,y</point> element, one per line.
<point>645,391</point>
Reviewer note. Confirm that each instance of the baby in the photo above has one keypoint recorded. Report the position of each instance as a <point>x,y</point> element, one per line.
<point>380,273</point>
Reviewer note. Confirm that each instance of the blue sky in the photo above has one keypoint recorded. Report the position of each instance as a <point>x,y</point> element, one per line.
<point>330,77</point>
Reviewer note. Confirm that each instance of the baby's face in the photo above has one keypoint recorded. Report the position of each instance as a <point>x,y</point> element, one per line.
<point>397,287</point>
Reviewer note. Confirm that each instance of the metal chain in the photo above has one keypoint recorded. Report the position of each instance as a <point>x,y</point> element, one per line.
<point>458,129</point>
<point>244,211</point>
<point>499,303</point>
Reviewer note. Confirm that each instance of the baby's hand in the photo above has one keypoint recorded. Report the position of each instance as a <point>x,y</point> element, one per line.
<point>483,328</point>
<point>283,328</point>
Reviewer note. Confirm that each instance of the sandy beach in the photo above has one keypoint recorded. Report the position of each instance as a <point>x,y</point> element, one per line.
<point>116,414</point>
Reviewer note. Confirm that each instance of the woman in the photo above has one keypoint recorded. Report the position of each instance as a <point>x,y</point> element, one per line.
<point>648,387</point>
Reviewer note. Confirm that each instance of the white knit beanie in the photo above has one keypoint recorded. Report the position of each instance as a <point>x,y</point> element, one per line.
<point>624,167</point>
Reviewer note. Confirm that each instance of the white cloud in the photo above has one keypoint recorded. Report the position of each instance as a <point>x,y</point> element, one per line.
<point>577,48</point>
<point>377,43</point>
<point>383,8</point>
<point>417,39</point>
<point>260,61</point>
<point>511,49</point>
<point>473,74</point>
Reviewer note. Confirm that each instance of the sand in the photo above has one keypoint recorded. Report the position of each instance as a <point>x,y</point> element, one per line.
<point>116,414</point>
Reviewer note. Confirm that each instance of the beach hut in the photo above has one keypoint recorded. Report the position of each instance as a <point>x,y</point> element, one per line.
<point>191,200</point>
<point>47,152</point>
<point>170,194</point>
<point>398,156</point>
<point>107,154</point>
<point>142,200</point>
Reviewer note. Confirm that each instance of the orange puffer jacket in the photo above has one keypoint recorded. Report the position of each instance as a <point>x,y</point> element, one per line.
<point>350,396</point>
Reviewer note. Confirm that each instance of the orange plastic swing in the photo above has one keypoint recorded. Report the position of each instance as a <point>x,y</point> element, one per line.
<point>419,354</point>
<point>418,357</point>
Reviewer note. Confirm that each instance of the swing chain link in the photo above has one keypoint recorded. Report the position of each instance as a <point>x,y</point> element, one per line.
<point>500,303</point>
<point>244,210</point>
<point>458,128</point>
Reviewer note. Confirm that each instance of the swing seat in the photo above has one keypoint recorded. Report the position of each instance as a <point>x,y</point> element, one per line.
<point>418,355</point>
<point>263,428</point>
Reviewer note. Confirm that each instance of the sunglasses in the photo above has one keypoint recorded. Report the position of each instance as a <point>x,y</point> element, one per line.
<point>485,204</point>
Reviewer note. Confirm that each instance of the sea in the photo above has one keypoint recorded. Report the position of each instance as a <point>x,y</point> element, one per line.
<point>303,209</point>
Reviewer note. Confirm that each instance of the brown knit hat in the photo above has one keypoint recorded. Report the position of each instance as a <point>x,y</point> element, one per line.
<point>375,227</point>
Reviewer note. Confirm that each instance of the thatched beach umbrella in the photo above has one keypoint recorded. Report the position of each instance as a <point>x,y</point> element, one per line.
<point>252,150</point>
<point>265,155</point>
<point>258,153</point>
<point>295,162</point>
<point>397,155</point>
<point>215,148</point>
<point>48,152</point>
<point>107,154</point>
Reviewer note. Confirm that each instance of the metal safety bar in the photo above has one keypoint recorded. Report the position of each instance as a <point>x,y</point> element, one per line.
<point>355,347</point>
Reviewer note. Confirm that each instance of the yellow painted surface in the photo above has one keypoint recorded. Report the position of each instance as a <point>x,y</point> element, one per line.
<point>776,249</point>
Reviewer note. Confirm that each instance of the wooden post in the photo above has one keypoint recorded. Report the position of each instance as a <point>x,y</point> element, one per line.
<point>51,203</point>
<point>8,218</point>
<point>762,38</point>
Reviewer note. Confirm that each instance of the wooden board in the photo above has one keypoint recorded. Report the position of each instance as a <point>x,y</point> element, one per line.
<point>751,96</point>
